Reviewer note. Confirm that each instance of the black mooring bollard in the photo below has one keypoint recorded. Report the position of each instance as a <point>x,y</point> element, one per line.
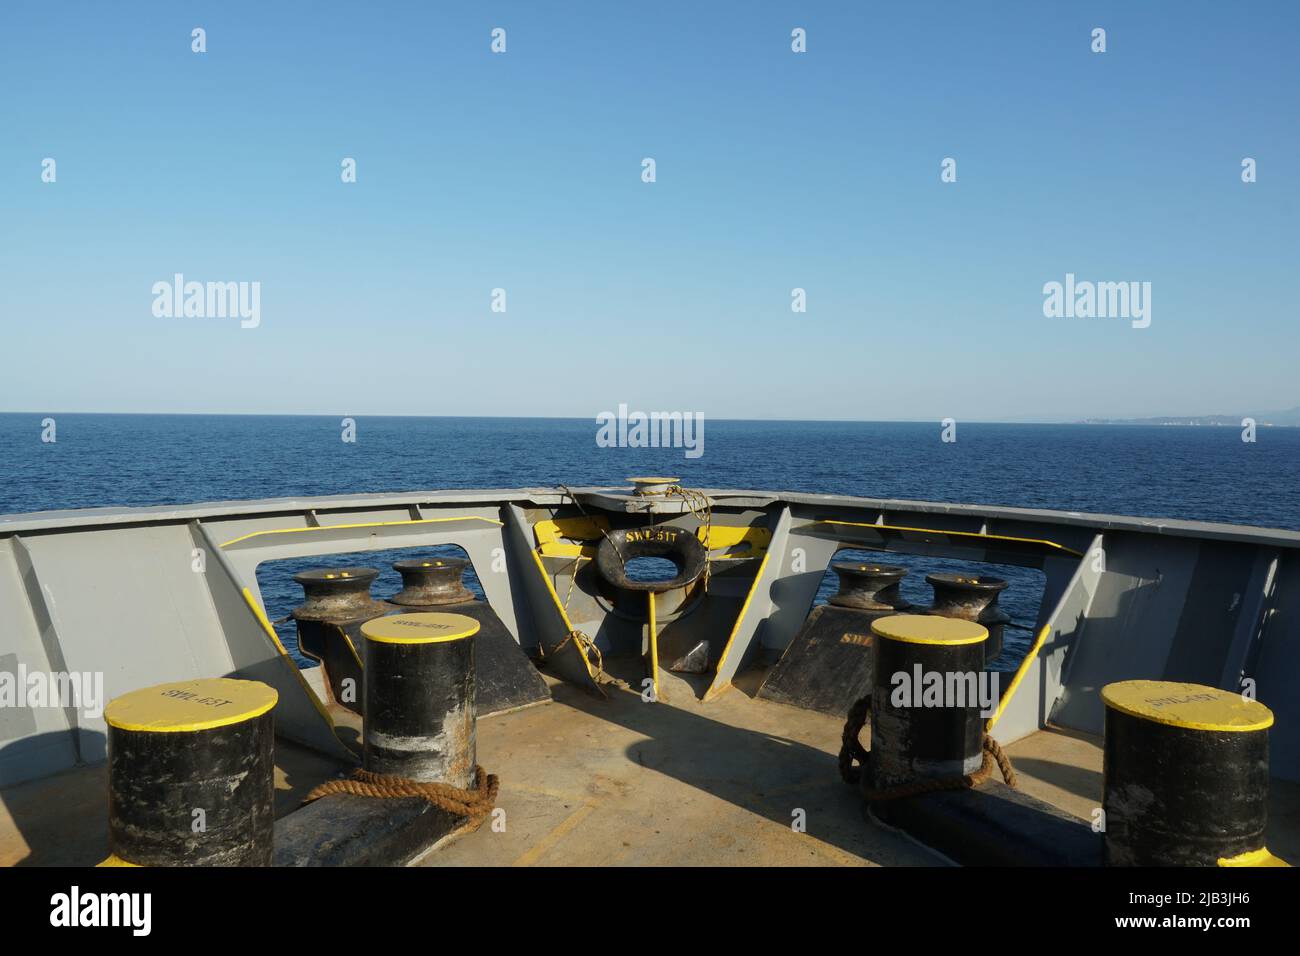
<point>915,736</point>
<point>191,774</point>
<point>419,699</point>
<point>336,603</point>
<point>869,587</point>
<point>426,583</point>
<point>970,598</point>
<point>1185,776</point>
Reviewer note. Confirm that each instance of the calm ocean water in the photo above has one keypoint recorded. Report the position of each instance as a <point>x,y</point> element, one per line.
<point>1177,472</point>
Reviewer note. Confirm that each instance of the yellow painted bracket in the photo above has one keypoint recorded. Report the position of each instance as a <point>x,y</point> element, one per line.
<point>1021,671</point>
<point>285,659</point>
<point>316,529</point>
<point>719,683</point>
<point>564,619</point>
<point>752,540</point>
<point>571,537</point>
<point>979,536</point>
<point>551,536</point>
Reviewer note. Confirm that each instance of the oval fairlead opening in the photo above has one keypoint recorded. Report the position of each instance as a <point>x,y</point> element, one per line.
<point>678,545</point>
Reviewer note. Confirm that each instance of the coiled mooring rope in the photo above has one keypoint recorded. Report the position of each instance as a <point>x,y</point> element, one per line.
<point>587,648</point>
<point>475,803</point>
<point>699,505</point>
<point>583,511</point>
<point>851,751</point>
<point>851,748</point>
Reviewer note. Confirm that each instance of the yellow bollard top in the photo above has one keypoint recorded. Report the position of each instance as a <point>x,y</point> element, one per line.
<point>1190,706</point>
<point>928,629</point>
<point>433,627</point>
<point>190,705</point>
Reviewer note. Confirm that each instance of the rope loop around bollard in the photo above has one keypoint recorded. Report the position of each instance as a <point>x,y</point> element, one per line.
<point>852,752</point>
<point>851,748</point>
<point>475,803</point>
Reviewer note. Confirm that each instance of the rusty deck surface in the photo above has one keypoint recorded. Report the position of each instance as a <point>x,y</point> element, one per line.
<point>597,782</point>
<point>621,782</point>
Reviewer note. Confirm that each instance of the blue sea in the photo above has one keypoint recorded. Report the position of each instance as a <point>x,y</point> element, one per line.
<point>1205,473</point>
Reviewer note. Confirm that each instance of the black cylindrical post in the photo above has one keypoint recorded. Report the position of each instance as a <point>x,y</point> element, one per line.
<point>419,697</point>
<point>191,774</point>
<point>869,587</point>
<point>925,702</point>
<point>1185,775</point>
<point>426,583</point>
<point>971,598</point>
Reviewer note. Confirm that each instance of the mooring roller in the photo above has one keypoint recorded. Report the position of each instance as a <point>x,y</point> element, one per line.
<point>337,595</point>
<point>648,486</point>
<point>431,581</point>
<point>191,774</point>
<point>336,602</point>
<point>1185,771</point>
<point>971,598</point>
<point>869,587</point>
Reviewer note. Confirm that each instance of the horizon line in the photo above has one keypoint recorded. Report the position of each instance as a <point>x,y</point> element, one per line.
<point>1130,421</point>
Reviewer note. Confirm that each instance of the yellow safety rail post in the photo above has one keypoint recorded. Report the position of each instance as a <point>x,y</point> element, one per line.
<point>654,649</point>
<point>1021,671</point>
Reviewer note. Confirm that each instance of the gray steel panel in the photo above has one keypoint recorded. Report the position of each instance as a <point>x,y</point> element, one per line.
<point>1130,627</point>
<point>125,603</point>
<point>1276,670</point>
<point>1031,705</point>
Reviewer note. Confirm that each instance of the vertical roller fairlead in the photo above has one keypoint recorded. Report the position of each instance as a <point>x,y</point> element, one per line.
<point>971,598</point>
<point>191,774</point>
<point>432,581</point>
<point>336,603</point>
<point>869,587</point>
<point>916,733</point>
<point>1186,776</point>
<point>419,698</point>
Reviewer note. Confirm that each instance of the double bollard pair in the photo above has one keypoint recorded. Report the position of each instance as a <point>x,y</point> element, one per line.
<point>1185,766</point>
<point>337,603</point>
<point>191,767</point>
<point>875,588</point>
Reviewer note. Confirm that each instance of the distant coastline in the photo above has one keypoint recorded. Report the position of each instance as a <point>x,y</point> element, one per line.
<point>1286,419</point>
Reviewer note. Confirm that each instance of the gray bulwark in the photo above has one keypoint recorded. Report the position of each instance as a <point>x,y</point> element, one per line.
<point>113,591</point>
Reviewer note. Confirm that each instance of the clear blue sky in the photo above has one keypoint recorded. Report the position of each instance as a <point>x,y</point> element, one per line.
<point>775,170</point>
